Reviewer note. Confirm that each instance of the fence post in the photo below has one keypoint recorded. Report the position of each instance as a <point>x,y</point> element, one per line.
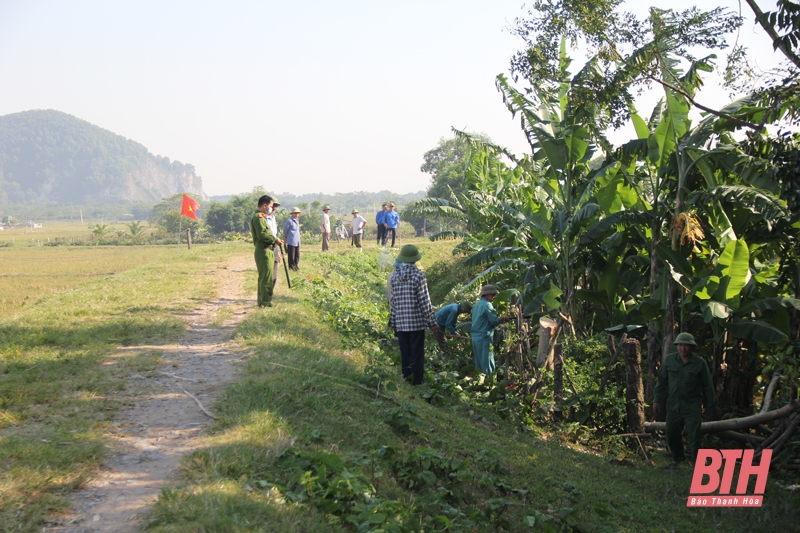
<point>558,381</point>
<point>634,391</point>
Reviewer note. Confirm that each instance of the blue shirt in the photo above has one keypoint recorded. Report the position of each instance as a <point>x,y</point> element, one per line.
<point>291,231</point>
<point>447,317</point>
<point>484,319</point>
<point>391,219</point>
<point>380,217</point>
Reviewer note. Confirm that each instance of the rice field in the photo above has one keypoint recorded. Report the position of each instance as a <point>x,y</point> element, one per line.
<point>30,274</point>
<point>52,232</point>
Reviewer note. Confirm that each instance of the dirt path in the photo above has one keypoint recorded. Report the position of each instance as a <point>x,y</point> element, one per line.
<point>164,423</point>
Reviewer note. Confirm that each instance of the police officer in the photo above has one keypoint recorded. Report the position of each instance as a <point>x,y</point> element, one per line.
<point>264,241</point>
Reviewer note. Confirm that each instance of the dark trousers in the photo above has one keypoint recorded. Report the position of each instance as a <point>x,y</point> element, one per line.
<point>675,425</point>
<point>293,256</point>
<point>381,233</point>
<point>386,233</point>
<point>412,354</point>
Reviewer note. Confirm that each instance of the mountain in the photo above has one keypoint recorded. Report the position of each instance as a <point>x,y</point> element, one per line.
<point>50,156</point>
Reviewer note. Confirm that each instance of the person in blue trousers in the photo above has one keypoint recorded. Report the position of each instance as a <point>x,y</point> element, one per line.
<point>380,217</point>
<point>391,219</point>
<point>484,320</point>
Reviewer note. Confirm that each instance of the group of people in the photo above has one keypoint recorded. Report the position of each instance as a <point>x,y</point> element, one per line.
<point>411,313</point>
<point>264,231</point>
<point>386,220</point>
<point>267,242</point>
<point>684,380</point>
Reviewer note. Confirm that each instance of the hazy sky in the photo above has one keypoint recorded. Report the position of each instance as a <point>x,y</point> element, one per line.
<point>305,96</point>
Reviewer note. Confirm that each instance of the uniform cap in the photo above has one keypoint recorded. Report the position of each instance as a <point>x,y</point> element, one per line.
<point>409,254</point>
<point>489,289</point>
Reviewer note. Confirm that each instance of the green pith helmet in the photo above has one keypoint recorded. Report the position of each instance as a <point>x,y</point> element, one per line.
<point>685,338</point>
<point>295,210</point>
<point>466,306</point>
<point>489,289</point>
<point>409,254</point>
<point>326,207</point>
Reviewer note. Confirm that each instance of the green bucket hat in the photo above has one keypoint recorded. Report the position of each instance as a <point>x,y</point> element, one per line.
<point>296,210</point>
<point>489,289</point>
<point>409,254</point>
<point>466,306</point>
<point>685,338</point>
<point>326,207</point>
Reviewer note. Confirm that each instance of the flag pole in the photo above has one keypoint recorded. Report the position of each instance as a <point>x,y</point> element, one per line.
<point>180,230</point>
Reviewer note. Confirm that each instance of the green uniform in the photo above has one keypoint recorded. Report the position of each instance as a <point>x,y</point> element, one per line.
<point>263,239</point>
<point>684,384</point>
<point>484,320</point>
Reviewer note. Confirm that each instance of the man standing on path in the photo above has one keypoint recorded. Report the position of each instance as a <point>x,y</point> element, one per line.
<point>390,221</point>
<point>410,313</point>
<point>380,217</point>
<point>358,224</point>
<point>447,319</point>
<point>272,222</point>
<point>326,227</point>
<point>291,232</point>
<point>484,320</point>
<point>264,241</point>
<point>684,379</point>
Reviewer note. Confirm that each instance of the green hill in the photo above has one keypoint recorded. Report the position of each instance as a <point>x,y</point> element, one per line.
<point>50,156</point>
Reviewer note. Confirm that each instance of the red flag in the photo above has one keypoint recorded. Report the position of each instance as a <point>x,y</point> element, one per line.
<point>189,207</point>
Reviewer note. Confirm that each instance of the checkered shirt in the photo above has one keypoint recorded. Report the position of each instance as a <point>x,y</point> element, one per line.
<point>410,305</point>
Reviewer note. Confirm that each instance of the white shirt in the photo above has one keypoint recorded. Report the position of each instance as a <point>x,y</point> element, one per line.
<point>326,223</point>
<point>358,224</point>
<point>272,223</point>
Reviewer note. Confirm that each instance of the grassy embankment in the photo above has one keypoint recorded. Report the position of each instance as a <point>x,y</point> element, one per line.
<point>59,384</point>
<point>301,436</point>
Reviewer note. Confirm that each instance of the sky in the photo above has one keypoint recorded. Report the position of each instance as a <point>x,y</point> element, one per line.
<point>299,97</point>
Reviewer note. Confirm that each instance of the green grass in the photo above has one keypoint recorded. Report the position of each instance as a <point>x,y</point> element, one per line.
<point>320,403</point>
<point>23,236</point>
<point>29,275</point>
<point>60,385</point>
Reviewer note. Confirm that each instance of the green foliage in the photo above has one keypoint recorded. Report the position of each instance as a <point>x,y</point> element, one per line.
<point>167,214</point>
<point>448,164</point>
<point>403,418</point>
<point>445,279</point>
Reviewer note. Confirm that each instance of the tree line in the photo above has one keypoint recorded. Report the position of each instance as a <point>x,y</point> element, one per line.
<point>688,226</point>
